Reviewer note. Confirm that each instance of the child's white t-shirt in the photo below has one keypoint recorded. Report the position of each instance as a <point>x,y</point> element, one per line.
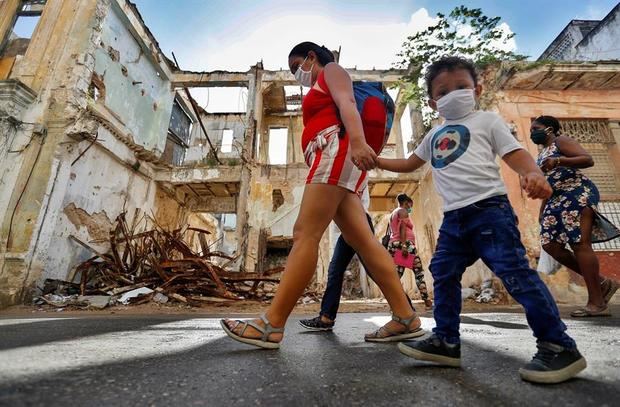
<point>462,155</point>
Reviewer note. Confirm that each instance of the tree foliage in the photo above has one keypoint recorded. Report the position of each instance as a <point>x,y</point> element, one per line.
<point>464,32</point>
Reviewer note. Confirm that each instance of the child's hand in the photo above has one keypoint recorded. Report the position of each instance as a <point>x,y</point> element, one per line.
<point>536,186</point>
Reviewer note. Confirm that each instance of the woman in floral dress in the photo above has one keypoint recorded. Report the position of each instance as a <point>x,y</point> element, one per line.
<point>569,216</point>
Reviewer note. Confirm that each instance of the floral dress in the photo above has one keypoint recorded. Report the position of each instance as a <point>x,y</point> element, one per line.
<point>572,192</point>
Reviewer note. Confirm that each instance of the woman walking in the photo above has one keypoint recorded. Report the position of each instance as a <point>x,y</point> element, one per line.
<point>402,246</point>
<point>338,164</point>
<point>569,216</point>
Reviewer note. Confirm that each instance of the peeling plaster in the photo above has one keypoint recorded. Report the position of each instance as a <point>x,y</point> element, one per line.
<point>98,224</point>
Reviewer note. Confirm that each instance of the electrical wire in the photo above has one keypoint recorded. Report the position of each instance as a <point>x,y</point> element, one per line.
<point>21,195</point>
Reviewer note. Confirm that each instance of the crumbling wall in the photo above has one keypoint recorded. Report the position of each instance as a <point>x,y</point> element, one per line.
<point>273,207</point>
<point>294,124</point>
<point>135,89</point>
<point>59,77</point>
<point>601,42</point>
<point>91,201</point>
<point>215,125</point>
<point>103,107</point>
<point>169,209</point>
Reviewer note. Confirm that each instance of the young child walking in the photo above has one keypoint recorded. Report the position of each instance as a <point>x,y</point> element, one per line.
<point>479,222</point>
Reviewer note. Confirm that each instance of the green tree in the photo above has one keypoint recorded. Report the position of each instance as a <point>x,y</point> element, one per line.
<point>464,32</point>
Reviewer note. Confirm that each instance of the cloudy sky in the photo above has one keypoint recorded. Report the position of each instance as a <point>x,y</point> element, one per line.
<point>235,34</point>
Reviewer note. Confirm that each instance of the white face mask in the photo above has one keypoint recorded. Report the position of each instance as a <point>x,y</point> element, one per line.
<point>304,77</point>
<point>456,104</point>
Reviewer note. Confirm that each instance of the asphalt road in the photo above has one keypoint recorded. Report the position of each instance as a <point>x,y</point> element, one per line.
<point>185,360</point>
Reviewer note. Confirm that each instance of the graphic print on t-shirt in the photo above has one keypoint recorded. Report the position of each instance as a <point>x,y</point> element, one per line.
<point>448,144</point>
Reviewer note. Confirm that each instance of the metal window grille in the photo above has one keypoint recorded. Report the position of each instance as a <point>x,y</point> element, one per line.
<point>587,130</point>
<point>596,137</point>
<point>611,210</point>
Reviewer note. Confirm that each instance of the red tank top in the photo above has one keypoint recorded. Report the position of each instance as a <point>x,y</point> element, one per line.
<point>319,111</point>
<point>395,222</point>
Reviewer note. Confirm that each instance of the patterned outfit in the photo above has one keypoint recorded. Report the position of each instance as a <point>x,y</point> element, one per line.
<point>572,192</point>
<point>412,260</point>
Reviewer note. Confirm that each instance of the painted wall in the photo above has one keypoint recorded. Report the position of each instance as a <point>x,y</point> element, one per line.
<point>602,42</point>
<point>91,201</point>
<point>135,90</point>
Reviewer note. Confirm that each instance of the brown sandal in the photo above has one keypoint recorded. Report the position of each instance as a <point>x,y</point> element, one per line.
<point>586,313</point>
<point>379,334</point>
<point>263,341</point>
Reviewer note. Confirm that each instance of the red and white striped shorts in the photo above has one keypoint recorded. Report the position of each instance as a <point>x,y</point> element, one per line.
<point>329,159</point>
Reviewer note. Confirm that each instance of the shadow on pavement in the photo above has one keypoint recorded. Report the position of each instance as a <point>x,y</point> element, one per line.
<point>310,369</point>
<point>45,331</point>
<point>496,324</point>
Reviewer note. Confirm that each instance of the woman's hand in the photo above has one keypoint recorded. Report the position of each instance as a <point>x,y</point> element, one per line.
<point>362,155</point>
<point>404,251</point>
<point>549,163</point>
<point>536,186</point>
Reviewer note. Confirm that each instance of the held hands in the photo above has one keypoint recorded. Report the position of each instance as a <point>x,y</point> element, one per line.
<point>363,156</point>
<point>536,186</point>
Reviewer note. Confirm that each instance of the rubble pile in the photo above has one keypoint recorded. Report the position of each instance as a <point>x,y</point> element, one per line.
<point>156,265</point>
<point>490,292</point>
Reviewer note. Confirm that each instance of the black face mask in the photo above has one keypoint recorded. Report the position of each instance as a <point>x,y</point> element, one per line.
<point>538,136</point>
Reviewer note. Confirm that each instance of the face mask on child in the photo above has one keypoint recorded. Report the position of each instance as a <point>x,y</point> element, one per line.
<point>408,210</point>
<point>456,104</point>
<point>304,77</point>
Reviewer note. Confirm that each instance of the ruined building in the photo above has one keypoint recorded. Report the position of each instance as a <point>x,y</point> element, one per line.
<point>587,40</point>
<point>95,121</point>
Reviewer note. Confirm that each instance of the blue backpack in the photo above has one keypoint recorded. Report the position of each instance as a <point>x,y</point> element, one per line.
<point>376,109</point>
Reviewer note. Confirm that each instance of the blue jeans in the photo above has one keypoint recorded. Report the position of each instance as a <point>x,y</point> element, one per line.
<point>487,230</point>
<point>343,254</point>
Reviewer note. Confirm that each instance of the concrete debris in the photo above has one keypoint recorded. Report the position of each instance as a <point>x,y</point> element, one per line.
<point>138,292</point>
<point>95,301</point>
<point>307,300</point>
<point>487,292</point>
<point>486,295</point>
<point>76,301</point>
<point>467,293</point>
<point>60,287</point>
<point>160,298</point>
<point>56,300</point>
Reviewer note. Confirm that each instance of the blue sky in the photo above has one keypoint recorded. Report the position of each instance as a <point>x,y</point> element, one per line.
<point>234,34</point>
